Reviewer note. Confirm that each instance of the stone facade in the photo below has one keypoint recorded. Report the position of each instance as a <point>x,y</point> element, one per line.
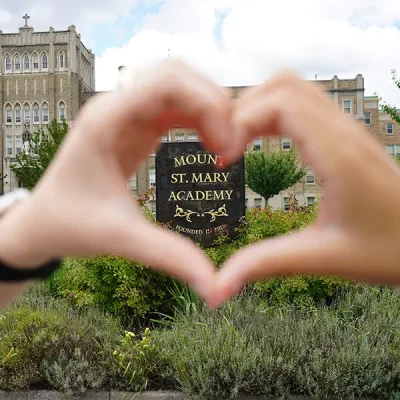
<point>68,81</point>
<point>43,75</point>
<point>348,95</point>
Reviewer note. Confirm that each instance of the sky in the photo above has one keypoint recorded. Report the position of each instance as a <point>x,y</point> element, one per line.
<point>234,42</point>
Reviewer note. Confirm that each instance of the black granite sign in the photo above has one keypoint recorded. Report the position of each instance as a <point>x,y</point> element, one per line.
<point>195,196</point>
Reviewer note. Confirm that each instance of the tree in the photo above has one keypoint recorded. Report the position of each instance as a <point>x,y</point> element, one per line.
<point>269,174</point>
<point>43,145</point>
<point>391,110</point>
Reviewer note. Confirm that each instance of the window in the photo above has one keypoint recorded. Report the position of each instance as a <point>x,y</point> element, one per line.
<point>286,203</point>
<point>18,115</point>
<point>367,118</point>
<point>17,63</point>
<point>390,148</point>
<point>393,149</point>
<point>152,178</point>
<point>310,177</point>
<point>257,144</point>
<point>193,137</point>
<point>61,60</point>
<point>45,61</point>
<point>165,138</point>
<point>27,63</point>
<point>45,113</point>
<point>179,137</point>
<point>132,182</point>
<point>389,129</point>
<point>61,111</point>
<point>153,206</point>
<point>8,63</point>
<point>27,115</point>
<point>347,106</point>
<point>310,201</point>
<point>257,203</point>
<point>9,145</point>
<point>8,115</point>
<point>286,143</point>
<point>18,144</point>
<point>35,62</point>
<point>36,118</point>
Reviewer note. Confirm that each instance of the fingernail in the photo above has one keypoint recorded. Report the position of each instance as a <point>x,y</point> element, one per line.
<point>221,162</point>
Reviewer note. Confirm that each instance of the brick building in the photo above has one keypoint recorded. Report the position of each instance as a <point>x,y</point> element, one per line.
<point>46,75</point>
<point>347,94</point>
<point>43,75</point>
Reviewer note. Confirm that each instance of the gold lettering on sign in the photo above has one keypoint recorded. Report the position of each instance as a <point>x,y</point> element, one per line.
<point>229,194</point>
<point>192,159</point>
<point>199,177</point>
<point>178,178</point>
<point>198,195</point>
<point>172,197</point>
<point>219,195</point>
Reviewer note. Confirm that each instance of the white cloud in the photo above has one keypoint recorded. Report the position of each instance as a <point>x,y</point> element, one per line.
<point>342,37</point>
<point>257,37</point>
<point>61,14</point>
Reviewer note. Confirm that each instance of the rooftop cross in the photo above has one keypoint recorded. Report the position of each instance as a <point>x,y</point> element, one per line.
<point>26,17</point>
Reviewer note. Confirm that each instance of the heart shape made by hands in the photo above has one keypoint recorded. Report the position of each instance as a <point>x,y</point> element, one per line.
<point>82,205</point>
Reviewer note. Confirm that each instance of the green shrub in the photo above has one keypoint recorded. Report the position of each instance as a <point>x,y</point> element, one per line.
<point>263,224</point>
<point>114,284</point>
<point>136,362</point>
<point>348,350</point>
<point>267,223</point>
<point>74,372</point>
<point>303,290</point>
<point>46,342</point>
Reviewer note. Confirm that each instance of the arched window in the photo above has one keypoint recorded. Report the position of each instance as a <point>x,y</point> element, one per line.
<point>27,63</point>
<point>35,62</point>
<point>36,116</point>
<point>61,111</point>
<point>9,118</point>
<point>17,63</point>
<point>17,113</point>
<point>27,114</point>
<point>45,61</point>
<point>45,113</point>
<point>61,60</point>
<point>8,63</point>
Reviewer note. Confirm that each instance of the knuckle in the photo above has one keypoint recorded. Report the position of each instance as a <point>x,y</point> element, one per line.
<point>287,77</point>
<point>242,120</point>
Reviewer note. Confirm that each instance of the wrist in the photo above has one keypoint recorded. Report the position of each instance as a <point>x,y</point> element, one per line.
<point>21,245</point>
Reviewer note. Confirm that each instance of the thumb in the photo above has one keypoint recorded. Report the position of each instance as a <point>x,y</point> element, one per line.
<point>312,251</point>
<point>168,252</point>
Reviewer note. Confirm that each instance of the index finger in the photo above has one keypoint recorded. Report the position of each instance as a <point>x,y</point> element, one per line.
<point>289,106</point>
<point>174,95</point>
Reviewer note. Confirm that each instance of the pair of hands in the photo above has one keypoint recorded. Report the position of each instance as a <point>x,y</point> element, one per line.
<point>82,207</point>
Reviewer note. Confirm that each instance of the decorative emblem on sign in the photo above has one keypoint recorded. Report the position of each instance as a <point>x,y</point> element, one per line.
<point>180,212</point>
<point>214,214</point>
<point>221,212</point>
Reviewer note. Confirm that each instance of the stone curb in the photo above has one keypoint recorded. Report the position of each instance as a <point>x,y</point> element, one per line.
<point>51,395</point>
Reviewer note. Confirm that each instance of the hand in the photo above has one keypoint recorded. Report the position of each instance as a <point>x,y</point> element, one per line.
<point>357,232</point>
<point>82,205</point>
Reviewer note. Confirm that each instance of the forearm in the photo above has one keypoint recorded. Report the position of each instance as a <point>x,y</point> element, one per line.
<point>16,248</point>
